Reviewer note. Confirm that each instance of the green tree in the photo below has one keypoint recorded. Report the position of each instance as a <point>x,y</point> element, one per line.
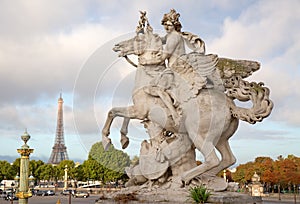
<point>6,171</point>
<point>61,169</point>
<point>78,173</point>
<point>134,160</point>
<point>33,166</point>
<point>47,172</point>
<point>16,165</point>
<point>93,170</point>
<point>112,159</point>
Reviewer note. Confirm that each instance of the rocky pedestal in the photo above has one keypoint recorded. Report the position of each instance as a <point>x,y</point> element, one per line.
<point>233,198</point>
<point>132,195</point>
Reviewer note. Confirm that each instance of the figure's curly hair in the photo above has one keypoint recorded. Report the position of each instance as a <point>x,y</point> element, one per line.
<point>173,17</point>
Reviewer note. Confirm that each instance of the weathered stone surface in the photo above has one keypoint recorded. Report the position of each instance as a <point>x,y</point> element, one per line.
<point>186,102</point>
<point>233,198</point>
<point>230,67</point>
<point>178,196</point>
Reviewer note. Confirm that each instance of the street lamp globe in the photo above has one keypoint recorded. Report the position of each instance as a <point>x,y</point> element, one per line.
<point>17,180</point>
<point>31,181</point>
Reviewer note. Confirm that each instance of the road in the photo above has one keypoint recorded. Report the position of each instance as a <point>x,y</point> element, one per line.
<point>276,201</point>
<point>54,199</point>
<point>93,197</point>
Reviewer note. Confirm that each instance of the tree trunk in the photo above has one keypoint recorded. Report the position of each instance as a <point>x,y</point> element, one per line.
<point>279,198</point>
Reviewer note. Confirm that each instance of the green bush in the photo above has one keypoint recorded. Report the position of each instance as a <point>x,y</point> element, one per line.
<point>199,194</point>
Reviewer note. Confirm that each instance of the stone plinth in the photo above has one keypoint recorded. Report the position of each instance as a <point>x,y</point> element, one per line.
<point>256,188</point>
<point>233,198</point>
<point>177,196</point>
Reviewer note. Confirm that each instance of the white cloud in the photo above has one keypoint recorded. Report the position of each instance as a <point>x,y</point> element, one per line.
<point>268,32</point>
<point>51,61</point>
<point>22,19</point>
<point>262,30</point>
<point>47,46</point>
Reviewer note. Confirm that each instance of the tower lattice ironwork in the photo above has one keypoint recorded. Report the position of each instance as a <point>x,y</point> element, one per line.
<point>59,150</point>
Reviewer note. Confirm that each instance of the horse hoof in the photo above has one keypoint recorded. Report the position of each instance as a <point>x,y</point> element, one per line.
<point>106,142</point>
<point>182,185</point>
<point>185,182</point>
<point>184,178</point>
<point>124,141</point>
<point>105,133</point>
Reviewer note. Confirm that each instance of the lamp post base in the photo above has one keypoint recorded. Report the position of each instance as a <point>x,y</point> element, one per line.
<point>23,197</point>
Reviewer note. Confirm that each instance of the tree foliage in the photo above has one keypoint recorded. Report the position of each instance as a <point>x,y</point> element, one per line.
<point>112,159</point>
<point>93,169</point>
<point>100,165</point>
<point>283,171</point>
<point>6,171</point>
<point>109,166</point>
<point>70,165</point>
<point>135,160</point>
<point>46,172</point>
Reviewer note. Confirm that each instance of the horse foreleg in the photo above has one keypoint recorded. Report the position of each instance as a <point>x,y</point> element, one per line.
<point>124,130</point>
<point>110,117</point>
<point>125,112</point>
<point>106,142</point>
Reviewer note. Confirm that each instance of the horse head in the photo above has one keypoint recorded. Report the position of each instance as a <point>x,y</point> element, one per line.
<point>147,46</point>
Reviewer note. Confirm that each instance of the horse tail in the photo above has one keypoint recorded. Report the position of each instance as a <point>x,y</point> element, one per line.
<point>237,88</point>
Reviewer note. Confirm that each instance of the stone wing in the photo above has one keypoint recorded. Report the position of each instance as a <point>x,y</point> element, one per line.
<point>205,65</point>
<point>230,67</point>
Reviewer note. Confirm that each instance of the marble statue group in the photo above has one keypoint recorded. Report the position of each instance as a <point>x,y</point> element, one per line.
<point>186,100</point>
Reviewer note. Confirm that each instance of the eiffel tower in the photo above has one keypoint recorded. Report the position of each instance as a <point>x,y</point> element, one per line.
<point>59,150</point>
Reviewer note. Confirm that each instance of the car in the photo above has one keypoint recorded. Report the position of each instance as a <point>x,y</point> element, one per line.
<point>3,195</point>
<point>10,196</point>
<point>34,192</point>
<point>81,194</point>
<point>40,193</point>
<point>49,193</point>
<point>68,191</point>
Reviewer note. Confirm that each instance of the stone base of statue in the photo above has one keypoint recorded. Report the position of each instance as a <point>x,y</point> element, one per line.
<point>233,198</point>
<point>135,195</point>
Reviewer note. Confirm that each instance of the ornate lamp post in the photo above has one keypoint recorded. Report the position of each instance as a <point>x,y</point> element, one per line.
<point>23,194</point>
<point>66,177</point>
<point>17,179</point>
<point>224,175</point>
<point>66,182</point>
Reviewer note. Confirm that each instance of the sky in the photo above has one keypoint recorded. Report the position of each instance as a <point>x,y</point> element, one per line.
<point>53,47</point>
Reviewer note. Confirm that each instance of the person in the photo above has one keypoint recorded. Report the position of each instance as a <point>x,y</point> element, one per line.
<point>173,49</point>
<point>174,41</point>
<point>174,56</point>
<point>162,84</point>
<point>175,53</point>
<point>179,62</point>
